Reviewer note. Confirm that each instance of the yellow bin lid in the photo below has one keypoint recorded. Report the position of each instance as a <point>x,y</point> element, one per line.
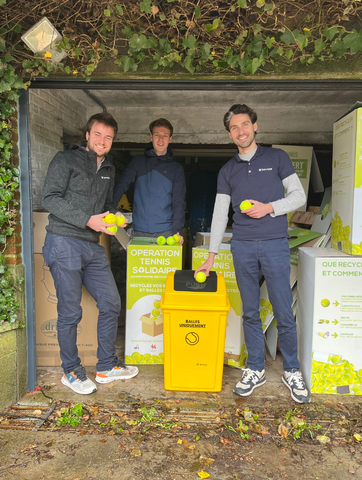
<point>182,292</point>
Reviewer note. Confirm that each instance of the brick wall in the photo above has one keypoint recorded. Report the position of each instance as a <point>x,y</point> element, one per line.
<point>52,113</point>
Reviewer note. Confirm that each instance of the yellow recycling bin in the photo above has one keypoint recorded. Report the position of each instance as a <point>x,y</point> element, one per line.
<point>194,327</point>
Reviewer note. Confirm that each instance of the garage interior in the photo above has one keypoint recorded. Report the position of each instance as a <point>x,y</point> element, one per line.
<point>289,113</point>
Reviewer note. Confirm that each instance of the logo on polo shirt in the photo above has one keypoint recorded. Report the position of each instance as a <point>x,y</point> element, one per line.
<point>105,178</point>
<point>265,169</point>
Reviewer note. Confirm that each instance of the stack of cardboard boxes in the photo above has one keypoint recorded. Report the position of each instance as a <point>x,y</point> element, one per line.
<point>329,318</point>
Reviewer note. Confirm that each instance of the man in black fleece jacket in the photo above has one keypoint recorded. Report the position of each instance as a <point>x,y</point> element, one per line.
<point>78,193</point>
<point>160,187</point>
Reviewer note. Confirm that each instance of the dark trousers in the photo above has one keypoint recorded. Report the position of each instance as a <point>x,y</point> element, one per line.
<point>74,263</point>
<point>273,256</point>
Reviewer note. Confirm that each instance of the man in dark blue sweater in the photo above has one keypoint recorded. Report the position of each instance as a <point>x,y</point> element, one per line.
<point>160,188</point>
<point>259,176</point>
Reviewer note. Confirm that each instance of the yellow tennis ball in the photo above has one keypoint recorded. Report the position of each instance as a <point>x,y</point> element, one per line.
<point>120,220</point>
<point>156,304</point>
<point>200,277</point>
<point>245,205</point>
<point>325,302</point>
<point>170,241</point>
<point>110,218</point>
<point>112,229</point>
<point>177,238</point>
<point>156,313</point>
<point>161,240</point>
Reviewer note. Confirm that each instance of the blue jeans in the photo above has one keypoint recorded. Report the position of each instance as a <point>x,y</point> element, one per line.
<point>273,256</point>
<point>74,263</point>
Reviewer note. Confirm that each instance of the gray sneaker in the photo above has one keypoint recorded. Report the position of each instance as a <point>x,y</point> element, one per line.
<point>119,372</point>
<point>78,381</point>
<point>251,380</point>
<point>294,381</point>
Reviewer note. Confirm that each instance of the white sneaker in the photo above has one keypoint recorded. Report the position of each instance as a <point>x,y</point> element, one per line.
<point>294,381</point>
<point>119,372</point>
<point>251,380</point>
<point>78,381</point>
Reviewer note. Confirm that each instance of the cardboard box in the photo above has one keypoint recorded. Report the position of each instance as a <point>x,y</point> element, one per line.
<point>47,348</point>
<point>329,321</point>
<point>152,326</point>
<point>147,267</point>
<point>347,182</point>
<point>203,238</point>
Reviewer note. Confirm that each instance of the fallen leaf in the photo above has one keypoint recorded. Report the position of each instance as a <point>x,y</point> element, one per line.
<point>203,474</point>
<point>323,439</point>
<point>283,431</point>
<point>154,10</point>
<point>358,437</point>
<point>224,441</point>
<point>103,440</point>
<point>110,385</point>
<point>37,412</point>
<point>264,432</point>
<point>94,410</point>
<point>136,452</point>
<point>179,442</point>
<point>190,447</point>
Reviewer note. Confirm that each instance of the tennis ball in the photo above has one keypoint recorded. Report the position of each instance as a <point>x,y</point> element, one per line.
<point>112,229</point>
<point>325,302</point>
<point>156,313</point>
<point>200,277</point>
<point>161,240</point>
<point>110,218</point>
<point>120,220</point>
<point>170,241</point>
<point>245,205</point>
<point>156,304</point>
<point>177,238</point>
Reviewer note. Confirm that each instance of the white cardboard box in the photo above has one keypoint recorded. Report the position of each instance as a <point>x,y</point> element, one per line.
<point>329,320</point>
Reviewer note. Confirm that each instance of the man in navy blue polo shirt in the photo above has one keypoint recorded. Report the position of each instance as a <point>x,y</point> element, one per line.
<point>260,176</point>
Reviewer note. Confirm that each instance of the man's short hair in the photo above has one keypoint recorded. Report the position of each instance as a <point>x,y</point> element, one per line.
<point>161,122</point>
<point>105,118</point>
<point>236,110</point>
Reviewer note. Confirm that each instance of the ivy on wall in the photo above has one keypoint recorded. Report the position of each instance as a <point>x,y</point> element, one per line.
<point>236,37</point>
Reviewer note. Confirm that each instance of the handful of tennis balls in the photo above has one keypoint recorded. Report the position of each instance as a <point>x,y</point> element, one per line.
<point>245,205</point>
<point>111,218</point>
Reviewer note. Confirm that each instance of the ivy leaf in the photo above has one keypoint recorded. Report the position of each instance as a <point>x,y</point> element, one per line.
<point>353,41</point>
<point>338,47</point>
<point>242,3</point>
<point>197,12</point>
<point>330,33</point>
<point>287,37</point>
<point>319,45</point>
<point>164,44</point>
<point>127,31</point>
<point>260,3</point>
<point>138,42</point>
<point>68,70</point>
<point>255,64</point>
<point>189,42</point>
<point>205,51</point>
<point>119,9</point>
<point>288,54</point>
<point>9,58</point>
<point>188,63</point>
<point>269,7</point>
<point>107,12</point>
<point>146,6</point>
<point>126,62</point>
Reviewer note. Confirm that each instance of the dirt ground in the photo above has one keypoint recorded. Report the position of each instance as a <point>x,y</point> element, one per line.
<point>135,430</point>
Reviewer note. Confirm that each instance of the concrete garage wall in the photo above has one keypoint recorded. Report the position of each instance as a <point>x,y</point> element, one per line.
<point>52,113</point>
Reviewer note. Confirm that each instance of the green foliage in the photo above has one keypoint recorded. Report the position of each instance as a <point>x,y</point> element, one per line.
<point>241,429</point>
<point>71,416</point>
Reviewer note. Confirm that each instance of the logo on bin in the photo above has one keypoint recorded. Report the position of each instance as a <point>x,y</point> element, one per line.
<point>192,339</point>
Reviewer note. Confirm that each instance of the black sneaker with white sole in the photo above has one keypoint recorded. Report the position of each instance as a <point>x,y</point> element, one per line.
<point>294,381</point>
<point>250,380</point>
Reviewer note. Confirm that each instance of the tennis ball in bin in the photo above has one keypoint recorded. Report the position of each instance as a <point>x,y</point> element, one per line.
<point>177,238</point>
<point>200,277</point>
<point>245,205</point>
<point>170,241</point>
<point>120,220</point>
<point>156,313</point>
<point>161,240</point>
